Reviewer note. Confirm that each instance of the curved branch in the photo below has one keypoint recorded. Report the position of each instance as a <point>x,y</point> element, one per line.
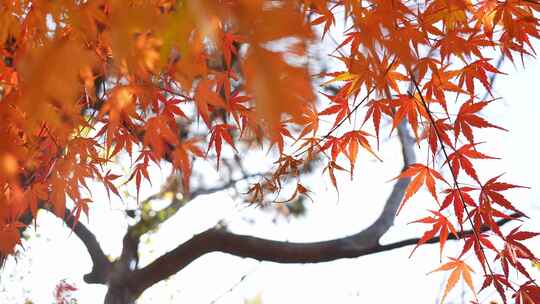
<point>361,243</point>
<point>101,265</point>
<point>387,216</point>
<point>264,250</point>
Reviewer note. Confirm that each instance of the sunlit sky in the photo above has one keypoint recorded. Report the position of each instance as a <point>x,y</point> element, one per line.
<point>53,254</point>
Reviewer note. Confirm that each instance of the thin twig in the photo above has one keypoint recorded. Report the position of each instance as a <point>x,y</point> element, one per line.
<point>235,285</point>
<point>454,176</point>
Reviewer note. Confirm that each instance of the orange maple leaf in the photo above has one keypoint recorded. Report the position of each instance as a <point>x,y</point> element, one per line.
<point>459,269</point>
<point>424,175</point>
<point>441,225</point>
<point>204,96</point>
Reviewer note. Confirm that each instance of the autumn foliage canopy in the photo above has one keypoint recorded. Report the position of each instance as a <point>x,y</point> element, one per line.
<point>83,82</point>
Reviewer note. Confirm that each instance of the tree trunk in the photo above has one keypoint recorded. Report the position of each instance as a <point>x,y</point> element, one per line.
<point>118,294</point>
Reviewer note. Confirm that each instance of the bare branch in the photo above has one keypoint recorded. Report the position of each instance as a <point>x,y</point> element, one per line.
<point>387,216</point>
<point>151,222</point>
<point>101,265</point>
<point>242,279</point>
<point>227,185</point>
<point>264,250</point>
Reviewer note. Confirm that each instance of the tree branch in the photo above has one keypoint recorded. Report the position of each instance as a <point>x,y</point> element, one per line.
<point>101,264</point>
<point>387,216</point>
<point>361,243</point>
<point>224,186</point>
<point>264,250</point>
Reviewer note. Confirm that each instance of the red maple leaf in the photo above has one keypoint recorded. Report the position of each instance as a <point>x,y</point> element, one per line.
<point>490,193</point>
<point>460,160</point>
<point>478,242</point>
<point>528,293</point>
<point>424,175</point>
<point>458,197</point>
<point>218,133</point>
<point>441,226</point>
<point>468,118</point>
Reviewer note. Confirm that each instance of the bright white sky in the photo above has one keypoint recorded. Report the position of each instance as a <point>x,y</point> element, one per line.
<point>53,254</point>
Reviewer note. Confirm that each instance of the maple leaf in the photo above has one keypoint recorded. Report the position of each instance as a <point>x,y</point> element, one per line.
<point>159,136</point>
<point>490,193</point>
<point>485,214</point>
<point>62,292</point>
<point>123,140</point>
<point>204,95</point>
<point>478,242</point>
<point>140,170</point>
<point>218,133</point>
<point>310,121</point>
<point>327,17</point>
<point>358,73</point>
<point>236,106</point>
<point>36,193</point>
<point>477,70</point>
<point>500,282</point>
<point>435,133</point>
<point>57,195</point>
<point>114,78</point>
<point>459,198</point>
<point>340,107</point>
<point>459,270</point>
<point>441,226</point>
<point>423,64</point>
<point>460,160</point>
<point>514,250</point>
<point>353,38</point>
<point>528,293</point>
<point>399,42</point>
<point>335,144</point>
<point>9,236</point>
<point>441,82</point>
<point>277,136</point>
<point>423,175</point>
<point>309,145</point>
<point>171,109</point>
<point>120,106</point>
<point>256,192</point>
<point>410,107</point>
<point>287,165</point>
<point>181,158</point>
<point>299,190</point>
<point>453,14</point>
<point>385,76</point>
<point>467,118</point>
<point>331,167</point>
<point>457,43</point>
<point>109,186</point>
<point>228,46</point>
<point>518,23</point>
<point>81,205</point>
<point>375,110</point>
<point>354,139</point>
<point>282,89</point>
